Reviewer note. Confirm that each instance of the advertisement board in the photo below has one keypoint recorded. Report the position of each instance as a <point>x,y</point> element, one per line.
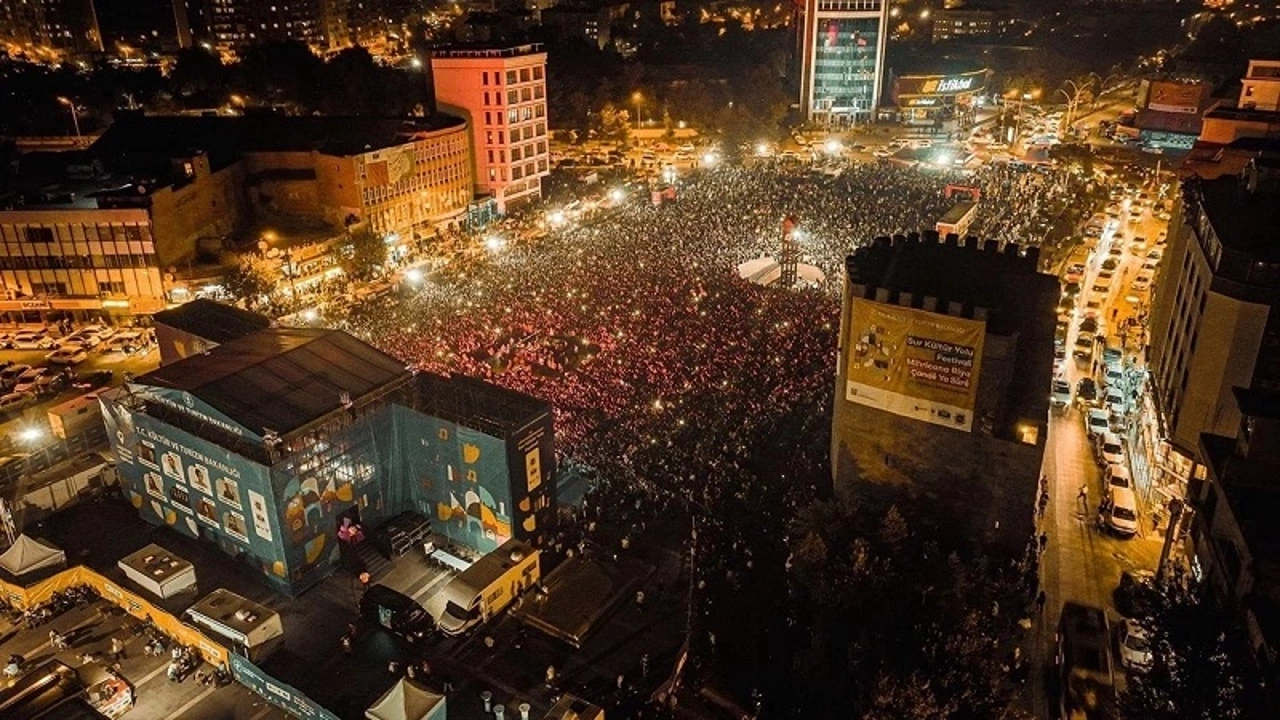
<point>1174,97</point>
<point>277,693</point>
<point>462,483</point>
<point>940,85</point>
<point>914,363</point>
<point>194,486</point>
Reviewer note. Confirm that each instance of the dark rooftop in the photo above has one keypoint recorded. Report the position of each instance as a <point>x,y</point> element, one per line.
<point>1241,218</point>
<point>477,404</point>
<point>224,137</point>
<point>213,321</point>
<point>924,267</point>
<point>1257,403</point>
<point>282,379</point>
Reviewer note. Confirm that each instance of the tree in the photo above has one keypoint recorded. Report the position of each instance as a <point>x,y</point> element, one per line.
<point>934,631</point>
<point>363,254</point>
<point>614,124</point>
<point>200,76</point>
<point>1200,666</point>
<point>251,283</point>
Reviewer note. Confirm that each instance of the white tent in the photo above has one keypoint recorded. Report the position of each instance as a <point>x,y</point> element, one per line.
<point>408,701</point>
<point>27,555</point>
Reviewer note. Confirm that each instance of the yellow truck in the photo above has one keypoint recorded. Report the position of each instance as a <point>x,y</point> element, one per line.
<point>486,588</point>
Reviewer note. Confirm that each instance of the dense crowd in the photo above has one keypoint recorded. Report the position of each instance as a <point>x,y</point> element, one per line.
<point>672,378</point>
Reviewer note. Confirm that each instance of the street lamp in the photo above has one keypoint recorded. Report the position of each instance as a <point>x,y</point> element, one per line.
<point>637,99</point>
<point>75,118</point>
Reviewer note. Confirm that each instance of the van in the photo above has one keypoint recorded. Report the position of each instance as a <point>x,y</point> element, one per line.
<point>486,588</point>
<point>1122,516</point>
<point>396,612</point>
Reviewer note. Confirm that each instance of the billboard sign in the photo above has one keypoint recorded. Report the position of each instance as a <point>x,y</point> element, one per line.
<point>914,363</point>
<point>1174,97</point>
<point>940,85</point>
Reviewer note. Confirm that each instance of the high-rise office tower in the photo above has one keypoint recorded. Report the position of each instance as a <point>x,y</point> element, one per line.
<point>842,60</point>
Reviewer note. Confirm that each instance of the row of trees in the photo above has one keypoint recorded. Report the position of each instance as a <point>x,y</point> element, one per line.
<point>255,283</point>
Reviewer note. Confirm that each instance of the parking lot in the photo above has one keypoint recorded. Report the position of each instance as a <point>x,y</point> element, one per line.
<point>40,369</point>
<point>90,629</point>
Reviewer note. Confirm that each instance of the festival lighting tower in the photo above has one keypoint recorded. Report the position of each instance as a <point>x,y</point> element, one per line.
<point>789,256</point>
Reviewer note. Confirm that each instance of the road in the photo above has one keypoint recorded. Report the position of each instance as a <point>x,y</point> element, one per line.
<point>1082,562</point>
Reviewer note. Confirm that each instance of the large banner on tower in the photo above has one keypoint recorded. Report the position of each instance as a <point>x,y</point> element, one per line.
<point>914,363</point>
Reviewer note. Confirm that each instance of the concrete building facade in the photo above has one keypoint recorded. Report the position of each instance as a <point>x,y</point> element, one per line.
<point>502,92</point>
<point>154,193</point>
<point>842,45</point>
<point>941,399</point>
<point>1213,322</point>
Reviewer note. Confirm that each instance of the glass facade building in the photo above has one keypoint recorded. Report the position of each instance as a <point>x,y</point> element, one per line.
<point>842,50</point>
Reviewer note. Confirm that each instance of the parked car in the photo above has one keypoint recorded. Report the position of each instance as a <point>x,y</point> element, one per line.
<point>1086,391</point>
<point>15,401</point>
<point>51,383</point>
<point>9,375</point>
<point>72,355</point>
<point>1110,447</point>
<point>26,382</point>
<point>1122,515</point>
<point>1097,422</point>
<point>1136,593</point>
<point>31,340</point>
<point>1118,476</point>
<point>1135,647</point>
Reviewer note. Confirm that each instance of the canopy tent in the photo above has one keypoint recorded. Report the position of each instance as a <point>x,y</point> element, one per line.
<point>27,555</point>
<point>408,701</point>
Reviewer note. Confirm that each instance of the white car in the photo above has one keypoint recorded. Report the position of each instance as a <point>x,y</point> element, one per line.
<point>71,355</point>
<point>31,340</point>
<point>1113,376</point>
<point>1097,422</point>
<point>1110,447</point>
<point>15,401</point>
<point>87,338</point>
<point>1135,647</point>
<point>1118,476</point>
<point>1060,396</point>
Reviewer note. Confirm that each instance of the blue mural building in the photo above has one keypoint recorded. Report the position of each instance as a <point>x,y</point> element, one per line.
<point>266,444</point>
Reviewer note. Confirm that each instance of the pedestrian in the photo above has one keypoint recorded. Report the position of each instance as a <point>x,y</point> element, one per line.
<point>1044,541</point>
<point>1083,495</point>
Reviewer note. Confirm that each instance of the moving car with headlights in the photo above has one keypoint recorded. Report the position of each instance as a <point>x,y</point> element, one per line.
<point>1060,393</point>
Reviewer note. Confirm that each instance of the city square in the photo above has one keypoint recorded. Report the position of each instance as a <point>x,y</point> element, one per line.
<point>416,360</point>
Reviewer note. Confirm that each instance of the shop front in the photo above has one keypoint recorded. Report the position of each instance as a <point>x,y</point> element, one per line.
<point>41,311</point>
<point>938,102</point>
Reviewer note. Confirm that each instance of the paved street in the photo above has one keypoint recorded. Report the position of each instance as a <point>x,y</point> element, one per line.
<point>1081,561</point>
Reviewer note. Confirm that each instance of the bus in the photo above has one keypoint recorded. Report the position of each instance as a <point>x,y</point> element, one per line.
<point>1086,679</point>
<point>958,219</point>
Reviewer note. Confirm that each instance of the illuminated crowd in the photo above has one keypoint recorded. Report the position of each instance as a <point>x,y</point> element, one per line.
<point>672,378</point>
